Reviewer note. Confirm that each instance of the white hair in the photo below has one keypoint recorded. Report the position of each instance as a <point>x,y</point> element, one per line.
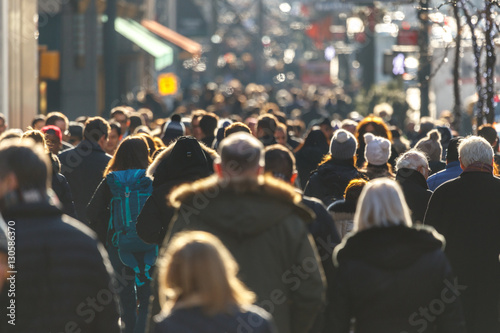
<point>381,204</point>
<point>475,149</point>
<point>412,159</point>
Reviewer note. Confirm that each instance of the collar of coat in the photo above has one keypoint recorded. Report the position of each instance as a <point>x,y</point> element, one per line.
<point>389,247</point>
<point>262,184</point>
<point>405,174</point>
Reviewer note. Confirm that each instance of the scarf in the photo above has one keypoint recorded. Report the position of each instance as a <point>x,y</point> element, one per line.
<point>479,167</point>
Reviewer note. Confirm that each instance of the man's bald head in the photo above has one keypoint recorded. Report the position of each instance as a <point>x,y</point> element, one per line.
<point>241,154</point>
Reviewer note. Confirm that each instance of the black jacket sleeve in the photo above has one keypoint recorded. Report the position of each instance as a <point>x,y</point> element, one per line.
<point>149,227</point>
<point>98,213</point>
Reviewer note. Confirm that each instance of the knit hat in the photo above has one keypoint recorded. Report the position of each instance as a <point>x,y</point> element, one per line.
<point>377,149</point>
<point>343,145</point>
<point>51,129</point>
<point>431,145</point>
<point>173,130</point>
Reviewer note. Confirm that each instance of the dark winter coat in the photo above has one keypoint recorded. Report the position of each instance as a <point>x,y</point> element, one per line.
<point>184,162</point>
<point>436,166</point>
<point>61,188</point>
<point>60,266</point>
<point>83,167</point>
<point>386,275</point>
<point>264,228</point>
<point>193,320</point>
<point>310,155</point>
<point>328,183</point>
<point>416,191</point>
<point>466,211</point>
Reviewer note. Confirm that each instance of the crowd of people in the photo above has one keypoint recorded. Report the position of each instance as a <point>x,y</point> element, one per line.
<point>248,216</point>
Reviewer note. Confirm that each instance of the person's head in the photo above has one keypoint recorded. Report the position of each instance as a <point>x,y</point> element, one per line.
<point>431,145</point>
<point>173,130</point>
<point>53,137</point>
<point>280,135</point>
<point>132,153</point>
<point>489,133</point>
<point>353,190</point>
<point>375,125</point>
<point>120,114</point>
<point>349,125</point>
<point>343,145</point>
<point>3,123</point>
<point>38,122</point>
<point>452,151</point>
<point>60,120</point>
<point>36,136</point>
<point>195,123</point>
<point>197,270</point>
<point>475,149</point>
<point>208,124</point>
<point>147,116</point>
<point>426,125</point>
<point>280,162</point>
<point>75,133</point>
<point>413,159</point>
<point>381,204</point>
<point>135,120</point>
<point>236,127</point>
<point>266,125</point>
<point>326,127</point>
<point>11,133</point>
<point>377,149</point>
<point>96,130</point>
<point>24,166</point>
<point>114,136</point>
<point>241,155</point>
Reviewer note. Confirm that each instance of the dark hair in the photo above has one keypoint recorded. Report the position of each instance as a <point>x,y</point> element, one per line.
<point>208,124</point>
<point>95,128</point>
<point>132,153</point>
<point>149,141</point>
<point>114,125</point>
<point>119,110</point>
<point>488,132</point>
<point>452,152</point>
<point>27,161</point>
<point>35,120</point>
<point>236,127</point>
<point>76,129</point>
<point>55,116</point>
<point>353,190</point>
<point>135,121</point>
<point>280,162</point>
<point>267,122</point>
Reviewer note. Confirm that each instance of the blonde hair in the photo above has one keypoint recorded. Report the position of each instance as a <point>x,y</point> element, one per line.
<point>381,204</point>
<point>197,270</point>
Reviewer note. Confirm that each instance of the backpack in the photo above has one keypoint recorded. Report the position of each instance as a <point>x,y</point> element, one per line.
<point>130,190</point>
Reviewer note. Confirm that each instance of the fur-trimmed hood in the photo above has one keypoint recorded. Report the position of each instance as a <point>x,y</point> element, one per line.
<point>181,159</point>
<point>241,206</point>
<point>393,247</point>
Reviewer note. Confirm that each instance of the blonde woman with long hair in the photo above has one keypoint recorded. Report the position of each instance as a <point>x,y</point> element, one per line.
<point>200,292</point>
<point>392,277</point>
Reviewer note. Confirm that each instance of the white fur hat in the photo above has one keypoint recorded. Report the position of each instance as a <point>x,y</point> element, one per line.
<point>377,149</point>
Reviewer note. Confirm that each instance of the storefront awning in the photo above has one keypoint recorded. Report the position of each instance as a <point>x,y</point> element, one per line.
<point>173,37</point>
<point>136,33</point>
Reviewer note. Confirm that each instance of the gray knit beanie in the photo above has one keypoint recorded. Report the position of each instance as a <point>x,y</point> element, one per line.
<point>343,145</point>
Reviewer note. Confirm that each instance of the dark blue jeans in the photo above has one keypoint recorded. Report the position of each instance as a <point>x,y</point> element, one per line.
<point>134,301</point>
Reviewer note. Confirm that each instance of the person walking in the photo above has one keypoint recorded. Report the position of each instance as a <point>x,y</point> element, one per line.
<point>390,275</point>
<point>200,290</point>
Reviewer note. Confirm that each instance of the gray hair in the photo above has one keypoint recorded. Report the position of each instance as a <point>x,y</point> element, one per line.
<point>475,149</point>
<point>241,152</point>
<point>412,159</point>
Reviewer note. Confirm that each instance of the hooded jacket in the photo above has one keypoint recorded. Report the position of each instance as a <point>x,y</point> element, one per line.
<point>262,224</point>
<point>385,275</point>
<point>185,161</point>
